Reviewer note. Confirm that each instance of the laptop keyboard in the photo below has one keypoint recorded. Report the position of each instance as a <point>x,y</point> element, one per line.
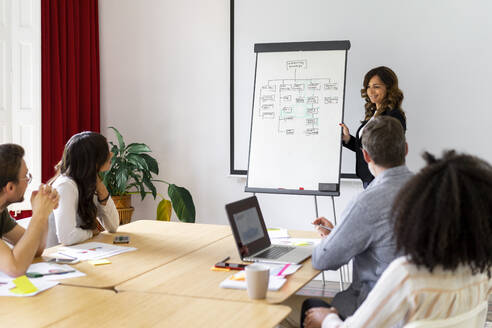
<point>274,252</point>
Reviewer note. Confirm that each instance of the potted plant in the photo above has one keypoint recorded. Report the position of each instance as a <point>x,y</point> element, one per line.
<point>131,173</point>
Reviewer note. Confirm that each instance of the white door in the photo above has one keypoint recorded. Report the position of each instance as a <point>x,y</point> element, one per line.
<point>20,83</point>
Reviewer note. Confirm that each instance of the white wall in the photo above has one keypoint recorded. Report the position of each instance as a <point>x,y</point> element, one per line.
<point>440,51</point>
<point>165,82</point>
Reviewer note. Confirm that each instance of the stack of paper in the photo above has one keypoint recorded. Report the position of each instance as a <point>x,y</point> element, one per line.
<point>53,272</point>
<point>92,251</point>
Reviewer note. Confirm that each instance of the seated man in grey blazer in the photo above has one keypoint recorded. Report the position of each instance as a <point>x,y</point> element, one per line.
<point>365,234</point>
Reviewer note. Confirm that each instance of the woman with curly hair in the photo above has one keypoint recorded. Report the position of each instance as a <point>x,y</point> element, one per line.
<point>443,225</point>
<point>383,97</point>
<point>85,203</point>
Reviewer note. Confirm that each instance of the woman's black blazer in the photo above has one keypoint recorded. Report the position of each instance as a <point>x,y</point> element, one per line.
<point>354,144</point>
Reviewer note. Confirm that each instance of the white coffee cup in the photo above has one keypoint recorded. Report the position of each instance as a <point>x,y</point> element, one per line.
<point>257,276</point>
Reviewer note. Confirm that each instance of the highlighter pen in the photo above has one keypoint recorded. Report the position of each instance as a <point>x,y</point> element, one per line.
<point>322,226</point>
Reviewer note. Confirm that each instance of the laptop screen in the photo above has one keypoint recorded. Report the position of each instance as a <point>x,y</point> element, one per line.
<point>248,225</point>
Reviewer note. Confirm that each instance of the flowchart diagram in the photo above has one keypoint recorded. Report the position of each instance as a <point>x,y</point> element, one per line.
<point>296,103</point>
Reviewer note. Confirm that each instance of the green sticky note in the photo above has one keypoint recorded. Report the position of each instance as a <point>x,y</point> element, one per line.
<point>23,286</point>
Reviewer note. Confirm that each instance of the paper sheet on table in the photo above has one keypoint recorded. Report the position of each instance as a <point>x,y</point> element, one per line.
<point>274,283</point>
<point>44,267</point>
<point>282,269</point>
<point>308,242</point>
<point>277,279</point>
<point>92,251</point>
<point>6,284</point>
<point>278,233</point>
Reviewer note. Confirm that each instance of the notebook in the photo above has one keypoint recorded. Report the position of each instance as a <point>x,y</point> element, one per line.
<point>251,236</point>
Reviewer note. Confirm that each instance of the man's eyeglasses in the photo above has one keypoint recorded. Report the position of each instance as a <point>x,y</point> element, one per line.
<point>28,178</point>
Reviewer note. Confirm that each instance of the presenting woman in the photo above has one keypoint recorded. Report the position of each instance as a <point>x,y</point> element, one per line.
<point>85,203</point>
<point>443,227</point>
<point>383,97</point>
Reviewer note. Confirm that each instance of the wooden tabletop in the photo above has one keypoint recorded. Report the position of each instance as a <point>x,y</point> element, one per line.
<point>167,282</point>
<point>132,309</point>
<point>49,306</point>
<point>157,243</point>
<point>191,275</point>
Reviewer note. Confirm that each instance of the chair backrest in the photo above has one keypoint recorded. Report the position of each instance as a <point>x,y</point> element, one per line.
<point>52,238</point>
<point>473,318</point>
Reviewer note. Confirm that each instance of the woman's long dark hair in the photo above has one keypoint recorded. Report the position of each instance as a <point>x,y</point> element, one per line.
<point>394,96</point>
<point>443,215</point>
<point>85,153</point>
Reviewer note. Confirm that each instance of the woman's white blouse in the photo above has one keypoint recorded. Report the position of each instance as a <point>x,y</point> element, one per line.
<point>67,221</point>
<point>405,293</point>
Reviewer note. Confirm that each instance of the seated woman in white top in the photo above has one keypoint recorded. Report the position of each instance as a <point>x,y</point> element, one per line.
<point>84,200</point>
<point>443,223</point>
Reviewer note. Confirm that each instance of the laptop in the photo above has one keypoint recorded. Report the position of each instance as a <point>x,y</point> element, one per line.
<point>251,236</point>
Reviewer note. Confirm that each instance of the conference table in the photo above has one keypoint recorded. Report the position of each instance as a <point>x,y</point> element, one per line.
<point>49,306</point>
<point>68,306</point>
<point>167,281</point>
<point>133,309</point>
<point>157,243</point>
<point>191,275</point>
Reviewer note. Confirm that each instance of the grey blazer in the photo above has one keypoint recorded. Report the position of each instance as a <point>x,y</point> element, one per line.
<point>365,235</point>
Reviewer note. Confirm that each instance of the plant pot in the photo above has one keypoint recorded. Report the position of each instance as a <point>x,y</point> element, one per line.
<point>124,207</point>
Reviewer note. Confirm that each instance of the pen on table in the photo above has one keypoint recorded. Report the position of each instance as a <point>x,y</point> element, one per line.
<point>323,226</point>
<point>69,256</point>
<point>39,275</point>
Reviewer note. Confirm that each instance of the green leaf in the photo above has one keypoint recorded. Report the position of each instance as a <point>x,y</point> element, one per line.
<point>137,148</point>
<point>142,190</point>
<point>182,203</point>
<point>151,163</point>
<point>120,139</point>
<point>121,180</point>
<point>138,161</point>
<point>137,183</point>
<point>116,161</point>
<point>151,186</point>
<point>164,210</point>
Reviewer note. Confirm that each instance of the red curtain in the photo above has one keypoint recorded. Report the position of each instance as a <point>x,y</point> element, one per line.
<point>69,75</point>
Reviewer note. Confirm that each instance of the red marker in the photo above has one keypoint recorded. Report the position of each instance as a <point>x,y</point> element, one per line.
<point>301,188</point>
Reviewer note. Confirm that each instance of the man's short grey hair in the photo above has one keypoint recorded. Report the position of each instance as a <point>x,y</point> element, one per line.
<point>384,140</point>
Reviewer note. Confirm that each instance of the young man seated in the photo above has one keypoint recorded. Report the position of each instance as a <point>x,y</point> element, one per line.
<point>365,234</point>
<point>14,178</point>
<point>442,226</point>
